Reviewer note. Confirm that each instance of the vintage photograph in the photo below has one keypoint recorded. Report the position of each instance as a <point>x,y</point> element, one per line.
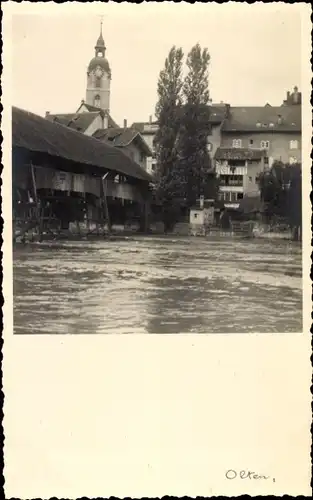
<point>157,171</point>
<point>156,180</point>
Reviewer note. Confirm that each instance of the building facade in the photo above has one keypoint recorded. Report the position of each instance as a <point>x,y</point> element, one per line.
<point>275,129</point>
<point>238,170</point>
<point>251,140</point>
<point>148,131</point>
<point>259,135</point>
<point>129,140</point>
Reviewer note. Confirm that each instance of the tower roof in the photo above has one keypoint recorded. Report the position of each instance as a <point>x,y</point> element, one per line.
<point>100,41</point>
<point>99,61</point>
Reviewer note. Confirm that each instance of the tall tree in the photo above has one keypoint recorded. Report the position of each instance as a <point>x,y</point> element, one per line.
<point>194,159</point>
<point>167,113</point>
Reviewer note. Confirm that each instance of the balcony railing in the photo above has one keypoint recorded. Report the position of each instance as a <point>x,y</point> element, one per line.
<point>231,183</point>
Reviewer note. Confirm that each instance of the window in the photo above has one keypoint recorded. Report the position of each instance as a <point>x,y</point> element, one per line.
<point>97,101</point>
<point>231,180</point>
<point>251,141</point>
<point>225,196</point>
<point>292,160</point>
<point>230,197</point>
<point>153,167</point>
<point>250,179</point>
<point>265,144</point>
<point>98,82</point>
<point>293,144</point>
<point>236,143</point>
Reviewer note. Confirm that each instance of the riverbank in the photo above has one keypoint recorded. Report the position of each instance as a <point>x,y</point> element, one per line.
<point>246,230</point>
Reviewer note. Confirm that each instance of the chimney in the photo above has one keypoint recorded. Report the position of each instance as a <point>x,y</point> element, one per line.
<point>82,101</point>
<point>125,123</point>
<point>201,202</point>
<point>227,110</point>
<point>150,119</point>
<point>295,95</point>
<point>47,113</point>
<point>105,121</point>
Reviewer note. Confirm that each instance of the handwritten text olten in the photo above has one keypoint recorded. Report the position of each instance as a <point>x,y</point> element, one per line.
<point>247,474</point>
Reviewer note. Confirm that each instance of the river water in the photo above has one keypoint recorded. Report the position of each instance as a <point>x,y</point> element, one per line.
<point>158,285</point>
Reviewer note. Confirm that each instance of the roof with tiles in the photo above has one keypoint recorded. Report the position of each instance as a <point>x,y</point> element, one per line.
<point>78,121</point>
<point>145,127</point>
<point>261,119</point>
<point>90,107</point>
<point>122,137</point>
<point>218,113</point>
<point>39,135</point>
<point>239,154</point>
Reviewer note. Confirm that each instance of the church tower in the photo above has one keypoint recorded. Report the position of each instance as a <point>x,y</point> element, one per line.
<point>99,78</point>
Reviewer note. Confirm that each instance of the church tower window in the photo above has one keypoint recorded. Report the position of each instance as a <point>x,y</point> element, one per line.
<point>97,101</point>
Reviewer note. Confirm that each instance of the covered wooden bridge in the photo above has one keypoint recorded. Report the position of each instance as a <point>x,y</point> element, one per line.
<point>63,179</point>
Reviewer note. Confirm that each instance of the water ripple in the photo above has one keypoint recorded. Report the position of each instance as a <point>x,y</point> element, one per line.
<point>158,285</point>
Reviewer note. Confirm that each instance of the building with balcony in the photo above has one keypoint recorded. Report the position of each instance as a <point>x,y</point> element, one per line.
<point>237,170</point>
<point>244,140</point>
<point>276,129</point>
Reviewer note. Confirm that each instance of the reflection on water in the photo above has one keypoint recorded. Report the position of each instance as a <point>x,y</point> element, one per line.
<point>158,285</point>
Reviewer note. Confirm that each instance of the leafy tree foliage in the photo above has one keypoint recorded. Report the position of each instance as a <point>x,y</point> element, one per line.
<point>167,113</point>
<point>281,193</point>
<point>184,165</point>
<point>194,160</point>
<point>169,102</point>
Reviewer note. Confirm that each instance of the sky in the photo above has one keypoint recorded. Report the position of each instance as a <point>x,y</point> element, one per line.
<point>255,52</point>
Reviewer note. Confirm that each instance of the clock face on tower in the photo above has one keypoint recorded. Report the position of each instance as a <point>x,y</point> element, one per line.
<point>98,72</point>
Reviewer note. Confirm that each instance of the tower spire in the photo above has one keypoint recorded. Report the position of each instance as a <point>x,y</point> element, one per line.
<point>100,45</point>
